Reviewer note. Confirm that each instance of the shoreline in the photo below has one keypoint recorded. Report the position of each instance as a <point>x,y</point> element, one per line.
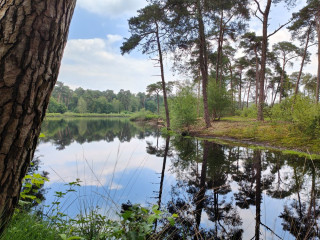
<point>268,135</point>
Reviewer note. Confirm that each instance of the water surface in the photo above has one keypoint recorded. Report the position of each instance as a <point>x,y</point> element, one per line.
<point>219,191</point>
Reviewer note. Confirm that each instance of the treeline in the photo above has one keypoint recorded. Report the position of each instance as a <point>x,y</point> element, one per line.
<point>65,99</point>
<point>206,37</point>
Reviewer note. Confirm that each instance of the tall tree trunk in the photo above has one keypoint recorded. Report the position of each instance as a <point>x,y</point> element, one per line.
<point>219,50</point>
<point>158,105</point>
<point>257,75</point>
<point>282,78</point>
<point>264,47</point>
<point>258,197</point>
<point>240,82</point>
<point>318,77</point>
<point>32,39</point>
<point>248,94</point>
<point>162,79</point>
<point>302,62</point>
<point>203,56</point>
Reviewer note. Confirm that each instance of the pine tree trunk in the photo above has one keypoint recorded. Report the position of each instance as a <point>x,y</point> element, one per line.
<point>33,35</point>
<point>318,77</point>
<point>163,80</point>
<point>264,47</point>
<point>203,55</point>
<point>257,75</point>
<point>281,79</point>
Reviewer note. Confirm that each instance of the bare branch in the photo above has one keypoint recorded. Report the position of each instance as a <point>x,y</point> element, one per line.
<point>277,30</point>
<point>259,8</point>
<point>255,13</point>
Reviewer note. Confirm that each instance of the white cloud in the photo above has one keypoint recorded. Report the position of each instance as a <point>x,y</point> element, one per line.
<point>112,8</point>
<point>96,64</point>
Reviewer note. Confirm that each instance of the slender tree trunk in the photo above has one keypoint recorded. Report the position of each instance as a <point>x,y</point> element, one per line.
<point>203,56</point>
<point>302,62</point>
<point>240,82</point>
<point>231,84</point>
<point>162,79</point>
<point>257,156</point>
<point>158,103</point>
<point>33,35</point>
<point>257,75</point>
<point>318,77</point>
<point>248,94</point>
<point>219,50</point>
<point>282,78</point>
<point>264,47</point>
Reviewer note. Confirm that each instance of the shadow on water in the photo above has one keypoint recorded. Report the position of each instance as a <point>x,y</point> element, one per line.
<point>218,191</point>
<point>225,192</point>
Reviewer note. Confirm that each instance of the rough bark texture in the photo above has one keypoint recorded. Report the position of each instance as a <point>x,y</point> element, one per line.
<point>33,34</point>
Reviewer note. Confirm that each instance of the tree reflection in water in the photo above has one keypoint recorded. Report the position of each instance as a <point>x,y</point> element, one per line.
<point>219,191</point>
<point>63,132</point>
<point>217,185</point>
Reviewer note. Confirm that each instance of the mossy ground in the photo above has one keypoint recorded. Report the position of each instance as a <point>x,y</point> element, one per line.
<point>271,134</point>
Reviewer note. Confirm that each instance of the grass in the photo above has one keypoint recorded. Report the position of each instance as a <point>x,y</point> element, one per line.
<point>30,226</point>
<point>71,114</point>
<point>144,116</point>
<point>273,134</point>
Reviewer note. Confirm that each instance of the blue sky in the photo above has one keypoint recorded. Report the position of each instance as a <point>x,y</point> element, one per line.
<point>92,58</point>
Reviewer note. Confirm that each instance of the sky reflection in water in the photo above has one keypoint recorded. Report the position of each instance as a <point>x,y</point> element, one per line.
<point>215,189</point>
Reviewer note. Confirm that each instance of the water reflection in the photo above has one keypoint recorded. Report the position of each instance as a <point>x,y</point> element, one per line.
<point>219,191</point>
<point>239,193</point>
<point>63,132</point>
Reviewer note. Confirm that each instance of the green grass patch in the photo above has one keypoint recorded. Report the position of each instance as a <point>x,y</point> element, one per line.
<point>144,116</point>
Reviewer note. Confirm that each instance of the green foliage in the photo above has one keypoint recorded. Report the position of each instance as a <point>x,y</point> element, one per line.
<point>143,115</point>
<point>30,226</point>
<point>136,222</point>
<point>82,105</point>
<point>56,107</point>
<point>183,108</point>
<point>302,112</point>
<point>219,101</point>
<point>30,187</point>
<point>250,112</point>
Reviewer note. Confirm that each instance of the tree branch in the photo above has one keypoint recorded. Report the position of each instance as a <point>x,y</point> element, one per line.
<point>255,13</point>
<point>277,30</point>
<point>259,8</point>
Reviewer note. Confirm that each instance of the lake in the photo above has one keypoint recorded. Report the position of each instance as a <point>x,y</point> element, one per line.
<point>219,191</point>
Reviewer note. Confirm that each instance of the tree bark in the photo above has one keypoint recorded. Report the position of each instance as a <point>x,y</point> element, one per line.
<point>33,34</point>
<point>282,78</point>
<point>203,55</point>
<point>264,47</point>
<point>162,79</point>
<point>257,74</point>
<point>318,77</point>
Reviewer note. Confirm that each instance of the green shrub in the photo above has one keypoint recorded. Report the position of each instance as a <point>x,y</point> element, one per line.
<point>219,100</point>
<point>250,112</point>
<point>302,112</point>
<point>183,108</point>
<point>143,115</point>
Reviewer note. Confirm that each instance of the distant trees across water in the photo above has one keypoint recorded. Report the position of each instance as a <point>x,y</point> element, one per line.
<point>64,99</point>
